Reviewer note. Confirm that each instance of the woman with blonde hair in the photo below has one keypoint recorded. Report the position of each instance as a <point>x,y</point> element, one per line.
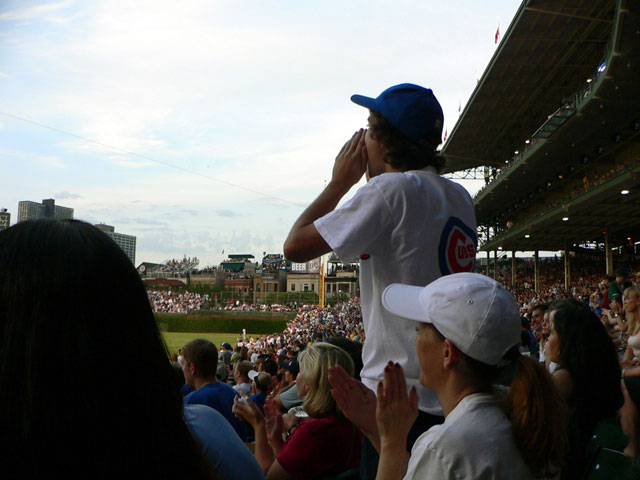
<point>630,305</point>
<point>630,415</point>
<point>326,443</point>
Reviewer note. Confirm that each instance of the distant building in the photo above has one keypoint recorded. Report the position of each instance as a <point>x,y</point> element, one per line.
<point>126,242</point>
<point>28,210</point>
<point>5,219</point>
<point>341,278</point>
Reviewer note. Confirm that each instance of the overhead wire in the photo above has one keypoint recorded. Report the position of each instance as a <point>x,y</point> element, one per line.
<point>145,157</point>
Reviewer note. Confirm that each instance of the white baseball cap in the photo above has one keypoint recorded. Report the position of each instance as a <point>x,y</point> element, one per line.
<point>476,313</point>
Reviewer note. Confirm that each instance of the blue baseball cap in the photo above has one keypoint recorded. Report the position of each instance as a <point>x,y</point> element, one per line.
<point>413,110</point>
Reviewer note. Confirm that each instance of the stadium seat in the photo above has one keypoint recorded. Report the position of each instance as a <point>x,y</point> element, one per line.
<point>613,465</point>
<point>609,435</point>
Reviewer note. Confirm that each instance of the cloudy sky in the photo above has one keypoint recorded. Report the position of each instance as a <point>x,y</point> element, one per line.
<point>208,125</point>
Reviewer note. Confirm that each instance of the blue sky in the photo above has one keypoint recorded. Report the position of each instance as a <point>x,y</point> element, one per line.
<point>246,97</point>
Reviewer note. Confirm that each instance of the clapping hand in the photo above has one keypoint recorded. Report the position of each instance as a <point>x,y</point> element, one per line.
<point>396,410</point>
<point>357,402</point>
<point>245,409</point>
<point>274,422</point>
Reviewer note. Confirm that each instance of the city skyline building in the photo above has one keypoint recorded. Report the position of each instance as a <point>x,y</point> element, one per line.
<point>29,210</point>
<point>5,219</point>
<point>126,242</point>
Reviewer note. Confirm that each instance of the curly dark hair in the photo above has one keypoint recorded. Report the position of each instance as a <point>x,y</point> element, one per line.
<point>402,153</point>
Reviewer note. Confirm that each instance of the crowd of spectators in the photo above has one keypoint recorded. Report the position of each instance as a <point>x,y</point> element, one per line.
<point>312,323</point>
<point>586,274</point>
<point>252,307</point>
<point>172,302</point>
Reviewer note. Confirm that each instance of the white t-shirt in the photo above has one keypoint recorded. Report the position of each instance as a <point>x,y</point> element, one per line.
<point>474,442</point>
<point>243,388</point>
<point>411,228</point>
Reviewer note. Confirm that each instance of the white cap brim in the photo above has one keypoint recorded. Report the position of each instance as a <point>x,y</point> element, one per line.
<point>404,301</point>
<point>252,374</point>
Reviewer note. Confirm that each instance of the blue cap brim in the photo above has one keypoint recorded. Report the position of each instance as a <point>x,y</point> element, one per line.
<point>363,101</point>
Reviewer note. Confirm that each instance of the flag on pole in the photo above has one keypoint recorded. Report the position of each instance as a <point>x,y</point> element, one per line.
<point>498,34</point>
<point>459,106</point>
<point>446,132</point>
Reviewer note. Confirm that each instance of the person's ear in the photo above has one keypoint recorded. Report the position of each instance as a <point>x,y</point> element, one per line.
<point>192,369</point>
<point>450,354</point>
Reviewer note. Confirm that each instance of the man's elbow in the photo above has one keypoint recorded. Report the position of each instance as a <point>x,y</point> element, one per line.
<point>304,244</point>
<point>293,251</point>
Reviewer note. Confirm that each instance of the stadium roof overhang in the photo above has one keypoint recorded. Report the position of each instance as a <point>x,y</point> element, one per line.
<point>547,53</point>
<point>583,151</point>
<point>587,216</point>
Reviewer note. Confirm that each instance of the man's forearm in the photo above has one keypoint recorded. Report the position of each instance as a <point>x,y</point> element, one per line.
<point>303,243</point>
<point>324,203</point>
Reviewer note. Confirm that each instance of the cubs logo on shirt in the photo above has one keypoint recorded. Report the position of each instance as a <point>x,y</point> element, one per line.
<point>457,249</point>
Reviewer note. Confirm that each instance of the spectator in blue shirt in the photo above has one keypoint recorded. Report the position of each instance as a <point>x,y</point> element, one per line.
<point>200,366</point>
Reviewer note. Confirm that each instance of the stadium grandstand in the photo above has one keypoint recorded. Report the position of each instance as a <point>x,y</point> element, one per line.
<point>553,127</point>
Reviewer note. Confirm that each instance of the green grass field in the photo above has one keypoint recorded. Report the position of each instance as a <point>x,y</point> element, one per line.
<point>176,340</point>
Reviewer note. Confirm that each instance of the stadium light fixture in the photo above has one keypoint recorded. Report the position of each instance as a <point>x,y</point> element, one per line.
<point>624,192</point>
<point>589,80</point>
<point>527,236</point>
<point>527,141</point>
<point>516,152</point>
<point>499,248</point>
<point>565,219</point>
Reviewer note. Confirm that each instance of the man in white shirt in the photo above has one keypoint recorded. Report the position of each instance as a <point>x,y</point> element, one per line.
<point>241,376</point>
<point>407,225</point>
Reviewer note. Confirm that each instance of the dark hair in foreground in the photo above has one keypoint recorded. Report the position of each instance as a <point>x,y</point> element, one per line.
<point>87,387</point>
<point>534,406</point>
<point>589,355</point>
<point>403,153</point>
